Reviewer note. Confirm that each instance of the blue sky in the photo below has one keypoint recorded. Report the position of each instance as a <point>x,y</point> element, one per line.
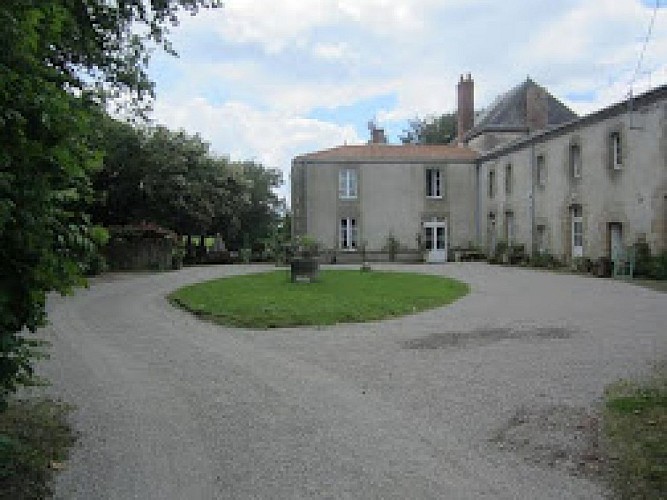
<point>271,80</point>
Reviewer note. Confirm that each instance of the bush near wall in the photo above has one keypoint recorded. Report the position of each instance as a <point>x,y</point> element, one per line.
<point>141,247</point>
<point>648,265</point>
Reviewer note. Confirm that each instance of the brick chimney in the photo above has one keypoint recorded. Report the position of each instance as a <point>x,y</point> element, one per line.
<point>377,134</point>
<point>465,91</point>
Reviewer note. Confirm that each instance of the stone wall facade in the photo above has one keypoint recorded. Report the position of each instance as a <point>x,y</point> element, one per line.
<point>577,189</point>
<point>608,168</point>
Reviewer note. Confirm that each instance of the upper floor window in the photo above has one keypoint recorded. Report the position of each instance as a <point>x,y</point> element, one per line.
<point>433,183</point>
<point>541,168</point>
<point>616,150</point>
<point>492,183</point>
<point>508,179</point>
<point>347,183</point>
<point>575,161</point>
<point>348,233</point>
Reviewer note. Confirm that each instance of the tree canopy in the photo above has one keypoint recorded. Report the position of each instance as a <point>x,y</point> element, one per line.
<point>152,174</point>
<point>435,130</point>
<point>60,62</point>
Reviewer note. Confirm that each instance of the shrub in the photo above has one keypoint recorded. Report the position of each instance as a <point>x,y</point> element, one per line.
<point>517,254</point>
<point>306,246</point>
<point>582,264</point>
<point>245,255</point>
<point>545,260</point>
<point>650,266</point>
<point>392,246</point>
<point>659,266</point>
<point>643,259</point>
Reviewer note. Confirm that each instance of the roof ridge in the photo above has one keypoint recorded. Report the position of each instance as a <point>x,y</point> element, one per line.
<point>389,152</point>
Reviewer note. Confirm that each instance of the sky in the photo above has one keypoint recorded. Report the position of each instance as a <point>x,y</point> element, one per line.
<point>269,80</point>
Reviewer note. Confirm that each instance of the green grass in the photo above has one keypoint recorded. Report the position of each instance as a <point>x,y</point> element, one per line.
<point>269,300</point>
<point>635,427</point>
<point>658,285</point>
<point>34,438</point>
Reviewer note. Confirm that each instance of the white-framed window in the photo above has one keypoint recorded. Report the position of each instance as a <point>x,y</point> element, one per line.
<point>616,150</point>
<point>575,161</point>
<point>433,183</point>
<point>508,179</point>
<point>348,233</point>
<point>492,183</point>
<point>509,227</point>
<point>541,167</point>
<point>347,183</point>
<point>577,231</point>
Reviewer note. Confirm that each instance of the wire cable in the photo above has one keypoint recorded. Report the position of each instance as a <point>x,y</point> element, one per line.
<point>646,40</point>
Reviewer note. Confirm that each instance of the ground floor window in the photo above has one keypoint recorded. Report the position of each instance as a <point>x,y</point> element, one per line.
<point>541,239</point>
<point>509,227</point>
<point>577,231</point>
<point>348,233</point>
<point>491,231</point>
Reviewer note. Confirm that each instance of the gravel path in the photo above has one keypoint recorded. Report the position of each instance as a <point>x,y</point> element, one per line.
<point>489,397</point>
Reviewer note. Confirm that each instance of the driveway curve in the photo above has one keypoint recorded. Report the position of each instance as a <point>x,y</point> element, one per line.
<point>434,405</point>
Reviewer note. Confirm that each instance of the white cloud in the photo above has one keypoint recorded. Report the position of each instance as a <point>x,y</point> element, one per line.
<point>339,51</point>
<point>253,72</point>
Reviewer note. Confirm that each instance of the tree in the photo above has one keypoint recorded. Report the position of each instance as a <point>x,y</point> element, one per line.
<point>61,60</point>
<point>435,130</point>
<point>256,206</point>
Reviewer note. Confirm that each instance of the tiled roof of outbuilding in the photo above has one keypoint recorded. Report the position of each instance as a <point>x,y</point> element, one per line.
<point>375,153</point>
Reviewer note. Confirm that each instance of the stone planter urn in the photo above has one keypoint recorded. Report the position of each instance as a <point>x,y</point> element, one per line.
<point>304,269</point>
<point>305,265</point>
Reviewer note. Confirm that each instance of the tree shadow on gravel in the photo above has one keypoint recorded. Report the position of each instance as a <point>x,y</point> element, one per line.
<point>484,336</point>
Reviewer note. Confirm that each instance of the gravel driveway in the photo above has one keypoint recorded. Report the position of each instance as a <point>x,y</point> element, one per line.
<point>490,397</point>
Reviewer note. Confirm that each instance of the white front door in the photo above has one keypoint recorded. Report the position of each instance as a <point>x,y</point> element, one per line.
<point>616,240</point>
<point>436,241</point>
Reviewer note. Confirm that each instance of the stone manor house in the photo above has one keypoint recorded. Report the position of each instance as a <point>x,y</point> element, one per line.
<point>526,171</point>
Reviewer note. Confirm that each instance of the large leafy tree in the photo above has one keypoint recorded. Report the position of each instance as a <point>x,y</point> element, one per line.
<point>156,175</point>
<point>435,130</point>
<point>60,60</point>
<point>256,207</point>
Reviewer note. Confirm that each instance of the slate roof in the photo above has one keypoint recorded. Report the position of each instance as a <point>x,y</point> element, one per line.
<point>508,111</point>
<point>388,153</point>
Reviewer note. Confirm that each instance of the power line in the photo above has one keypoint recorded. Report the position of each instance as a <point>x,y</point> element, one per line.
<point>649,32</point>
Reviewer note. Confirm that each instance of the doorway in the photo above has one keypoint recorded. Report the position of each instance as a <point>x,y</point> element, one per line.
<point>615,241</point>
<point>577,231</point>
<point>435,233</point>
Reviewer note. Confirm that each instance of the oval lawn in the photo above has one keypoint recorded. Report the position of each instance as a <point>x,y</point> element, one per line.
<point>270,300</point>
